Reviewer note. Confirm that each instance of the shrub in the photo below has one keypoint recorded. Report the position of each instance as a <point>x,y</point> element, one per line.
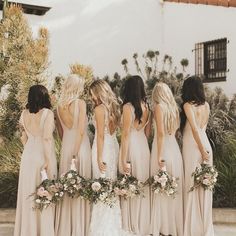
<point>9,168</point>
<point>225,161</point>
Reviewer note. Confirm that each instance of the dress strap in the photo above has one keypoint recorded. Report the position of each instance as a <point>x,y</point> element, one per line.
<point>76,112</point>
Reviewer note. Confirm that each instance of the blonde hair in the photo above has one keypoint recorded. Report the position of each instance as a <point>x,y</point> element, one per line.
<point>102,90</point>
<point>162,95</point>
<point>71,89</point>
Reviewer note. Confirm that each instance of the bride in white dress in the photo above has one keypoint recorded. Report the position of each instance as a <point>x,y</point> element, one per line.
<point>105,221</point>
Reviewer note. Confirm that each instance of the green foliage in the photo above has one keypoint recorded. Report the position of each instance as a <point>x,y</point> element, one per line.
<point>24,60</point>
<point>225,161</point>
<point>9,169</point>
<point>222,119</point>
<point>155,70</point>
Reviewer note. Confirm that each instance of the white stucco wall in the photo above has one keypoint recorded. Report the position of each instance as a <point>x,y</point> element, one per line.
<point>101,33</point>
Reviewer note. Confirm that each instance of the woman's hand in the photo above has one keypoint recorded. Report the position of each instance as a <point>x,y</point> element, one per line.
<point>102,166</point>
<point>45,166</point>
<point>126,168</point>
<point>205,156</point>
<point>161,163</point>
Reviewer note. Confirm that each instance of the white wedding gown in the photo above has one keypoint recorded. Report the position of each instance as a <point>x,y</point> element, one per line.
<point>106,221</point>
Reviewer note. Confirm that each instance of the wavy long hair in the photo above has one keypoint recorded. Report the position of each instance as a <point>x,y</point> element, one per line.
<point>103,92</point>
<point>193,93</point>
<point>134,93</point>
<point>162,95</point>
<point>72,89</point>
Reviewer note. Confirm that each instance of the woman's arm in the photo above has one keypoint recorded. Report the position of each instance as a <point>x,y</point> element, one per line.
<point>58,126</point>
<point>195,130</point>
<point>100,123</point>
<point>48,138</point>
<point>23,136</point>
<point>80,127</point>
<point>158,116</point>
<point>148,128</point>
<point>125,134</point>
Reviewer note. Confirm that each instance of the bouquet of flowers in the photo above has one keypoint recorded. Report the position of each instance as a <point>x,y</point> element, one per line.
<point>100,190</point>
<point>128,186</point>
<point>73,184</point>
<point>205,176</point>
<point>163,183</point>
<point>47,193</point>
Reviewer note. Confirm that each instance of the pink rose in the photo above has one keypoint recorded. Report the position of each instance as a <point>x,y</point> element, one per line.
<point>123,192</point>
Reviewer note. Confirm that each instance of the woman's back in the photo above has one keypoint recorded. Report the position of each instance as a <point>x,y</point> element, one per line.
<point>201,116</point>
<point>68,115</point>
<point>136,125</point>
<point>35,124</point>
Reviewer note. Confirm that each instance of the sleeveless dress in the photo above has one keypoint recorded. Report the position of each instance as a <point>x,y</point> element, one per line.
<point>28,221</point>
<point>106,221</point>
<point>73,215</point>
<point>167,214</point>
<point>136,211</point>
<point>198,203</point>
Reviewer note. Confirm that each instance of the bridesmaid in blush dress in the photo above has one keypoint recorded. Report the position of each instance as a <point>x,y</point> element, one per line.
<point>196,149</point>
<point>134,148</point>
<point>166,213</point>
<point>39,153</point>
<point>73,215</point>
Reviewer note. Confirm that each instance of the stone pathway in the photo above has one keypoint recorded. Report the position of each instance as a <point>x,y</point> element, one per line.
<point>225,222</point>
<point>220,230</point>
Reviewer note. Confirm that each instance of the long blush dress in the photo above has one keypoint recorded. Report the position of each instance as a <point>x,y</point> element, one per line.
<point>167,214</point>
<point>73,215</point>
<point>198,203</point>
<point>136,211</point>
<point>29,221</point>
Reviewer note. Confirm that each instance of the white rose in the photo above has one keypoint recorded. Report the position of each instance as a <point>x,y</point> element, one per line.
<point>174,185</point>
<point>132,187</point>
<point>61,194</point>
<point>156,178</point>
<point>171,191</point>
<point>163,184</point>
<point>96,186</point>
<point>156,191</point>
<point>206,182</point>
<point>69,175</point>
<point>162,180</point>
<point>38,201</point>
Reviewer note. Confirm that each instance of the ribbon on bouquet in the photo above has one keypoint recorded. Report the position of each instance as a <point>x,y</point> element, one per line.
<point>164,167</point>
<point>128,163</point>
<point>73,164</point>
<point>44,175</point>
<point>103,174</point>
